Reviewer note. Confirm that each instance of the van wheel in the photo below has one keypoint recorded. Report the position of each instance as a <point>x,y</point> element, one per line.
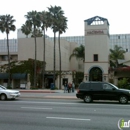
<point>123,99</point>
<point>87,98</point>
<point>3,97</point>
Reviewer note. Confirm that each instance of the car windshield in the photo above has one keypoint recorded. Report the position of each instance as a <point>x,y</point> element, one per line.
<point>114,86</point>
<point>2,87</point>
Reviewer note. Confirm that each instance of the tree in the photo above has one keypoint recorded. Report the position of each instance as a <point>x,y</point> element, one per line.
<point>33,21</point>
<point>24,66</point>
<point>38,33</point>
<point>54,13</point>
<point>115,54</point>
<point>7,25</point>
<point>26,29</point>
<point>44,19</point>
<point>61,27</point>
<point>78,52</point>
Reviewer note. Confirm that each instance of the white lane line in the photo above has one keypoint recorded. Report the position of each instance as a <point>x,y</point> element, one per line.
<point>78,119</point>
<point>36,108</point>
<point>63,103</point>
<point>47,102</point>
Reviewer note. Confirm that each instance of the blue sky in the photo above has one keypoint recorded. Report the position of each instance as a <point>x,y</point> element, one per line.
<point>116,11</point>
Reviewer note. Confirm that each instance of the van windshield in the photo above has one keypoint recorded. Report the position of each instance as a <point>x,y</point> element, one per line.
<point>114,86</point>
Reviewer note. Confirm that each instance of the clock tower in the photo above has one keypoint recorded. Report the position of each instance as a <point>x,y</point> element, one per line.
<point>96,62</point>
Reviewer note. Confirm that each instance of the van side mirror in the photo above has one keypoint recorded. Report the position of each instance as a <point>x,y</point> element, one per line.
<point>113,88</point>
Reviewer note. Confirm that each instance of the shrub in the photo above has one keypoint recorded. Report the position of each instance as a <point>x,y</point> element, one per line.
<point>33,88</point>
<point>56,88</point>
<point>9,87</point>
<point>123,83</point>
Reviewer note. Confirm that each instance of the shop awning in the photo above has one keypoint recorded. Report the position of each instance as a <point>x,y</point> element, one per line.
<point>4,76</point>
<point>19,76</point>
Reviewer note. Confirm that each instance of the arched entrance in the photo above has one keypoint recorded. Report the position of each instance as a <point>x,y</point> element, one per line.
<point>95,74</point>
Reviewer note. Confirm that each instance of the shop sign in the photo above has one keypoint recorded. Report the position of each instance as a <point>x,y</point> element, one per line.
<point>95,32</point>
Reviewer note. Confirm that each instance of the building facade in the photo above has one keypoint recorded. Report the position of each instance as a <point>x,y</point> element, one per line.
<point>122,40</point>
<point>97,41</point>
<point>96,49</point>
<point>13,49</point>
<point>25,49</point>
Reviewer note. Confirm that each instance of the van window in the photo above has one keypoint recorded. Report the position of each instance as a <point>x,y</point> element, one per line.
<point>96,86</point>
<point>84,86</point>
<point>107,86</point>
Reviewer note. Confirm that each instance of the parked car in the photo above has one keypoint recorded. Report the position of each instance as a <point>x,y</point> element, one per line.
<point>89,91</point>
<point>8,94</point>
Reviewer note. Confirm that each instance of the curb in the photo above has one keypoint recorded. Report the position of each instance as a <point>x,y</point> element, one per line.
<point>51,97</point>
<point>36,91</point>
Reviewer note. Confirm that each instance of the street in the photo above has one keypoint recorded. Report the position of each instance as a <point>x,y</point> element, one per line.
<point>60,114</point>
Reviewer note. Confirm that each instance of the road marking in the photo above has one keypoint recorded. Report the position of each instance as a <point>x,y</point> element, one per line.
<point>48,102</point>
<point>81,104</point>
<point>36,108</point>
<point>79,119</point>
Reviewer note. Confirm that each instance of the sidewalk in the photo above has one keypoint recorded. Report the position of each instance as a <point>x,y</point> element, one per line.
<point>40,91</point>
<point>47,94</point>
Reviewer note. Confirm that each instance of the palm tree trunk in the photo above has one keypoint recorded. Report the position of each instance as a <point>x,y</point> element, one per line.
<point>43,61</point>
<point>35,65</point>
<point>59,62</point>
<point>9,79</point>
<point>116,63</point>
<point>54,57</point>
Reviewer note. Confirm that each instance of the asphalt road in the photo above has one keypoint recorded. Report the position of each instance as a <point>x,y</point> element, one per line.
<point>57,95</point>
<point>56,114</point>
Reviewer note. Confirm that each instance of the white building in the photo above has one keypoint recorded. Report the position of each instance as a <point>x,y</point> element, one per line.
<point>25,49</point>
<point>96,49</point>
<point>122,40</point>
<point>97,41</point>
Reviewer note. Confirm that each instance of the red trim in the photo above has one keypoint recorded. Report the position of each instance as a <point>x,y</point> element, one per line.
<point>88,74</point>
<point>97,62</point>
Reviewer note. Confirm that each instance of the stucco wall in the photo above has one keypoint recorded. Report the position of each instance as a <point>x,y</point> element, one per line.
<point>26,50</point>
<point>97,42</point>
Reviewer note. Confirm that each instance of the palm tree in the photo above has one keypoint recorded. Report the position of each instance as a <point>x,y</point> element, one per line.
<point>7,25</point>
<point>61,27</point>
<point>44,19</point>
<point>33,21</point>
<point>54,12</point>
<point>26,29</point>
<point>78,52</point>
<point>38,33</point>
<point>115,54</point>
